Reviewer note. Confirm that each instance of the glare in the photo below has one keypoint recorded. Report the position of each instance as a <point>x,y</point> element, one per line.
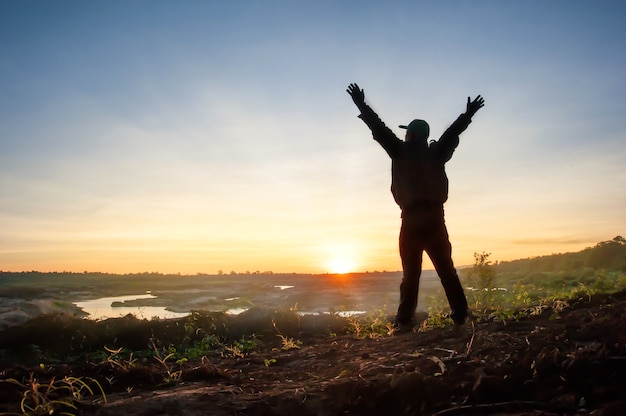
<point>340,265</point>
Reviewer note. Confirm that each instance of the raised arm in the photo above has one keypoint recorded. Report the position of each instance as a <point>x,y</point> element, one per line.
<point>450,138</point>
<point>474,106</point>
<point>358,96</point>
<point>381,133</point>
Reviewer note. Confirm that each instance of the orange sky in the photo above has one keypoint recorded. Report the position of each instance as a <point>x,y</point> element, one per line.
<point>199,138</point>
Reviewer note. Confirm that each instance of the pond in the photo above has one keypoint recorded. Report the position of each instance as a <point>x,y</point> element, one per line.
<point>102,308</point>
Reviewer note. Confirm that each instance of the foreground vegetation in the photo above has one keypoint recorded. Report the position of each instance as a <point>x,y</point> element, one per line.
<point>72,361</point>
<point>508,290</point>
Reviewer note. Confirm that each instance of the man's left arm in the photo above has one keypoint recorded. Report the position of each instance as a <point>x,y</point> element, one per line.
<point>450,138</point>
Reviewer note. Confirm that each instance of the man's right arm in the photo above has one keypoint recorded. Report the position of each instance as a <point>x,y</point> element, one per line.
<point>450,138</point>
<point>382,134</point>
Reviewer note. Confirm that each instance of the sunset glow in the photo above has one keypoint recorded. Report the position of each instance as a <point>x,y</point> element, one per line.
<point>340,266</point>
<point>218,136</point>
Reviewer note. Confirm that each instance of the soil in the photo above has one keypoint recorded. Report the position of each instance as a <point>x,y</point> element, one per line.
<point>570,361</point>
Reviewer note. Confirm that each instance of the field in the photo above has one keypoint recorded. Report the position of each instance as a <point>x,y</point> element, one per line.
<point>27,295</point>
<point>542,341</point>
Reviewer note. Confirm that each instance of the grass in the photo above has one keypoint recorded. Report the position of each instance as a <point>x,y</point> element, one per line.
<point>170,375</point>
<point>116,359</point>
<point>54,396</point>
<point>123,344</point>
<point>549,293</point>
<point>372,325</point>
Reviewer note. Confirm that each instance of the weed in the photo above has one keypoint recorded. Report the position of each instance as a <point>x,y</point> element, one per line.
<point>201,348</point>
<point>240,348</point>
<point>437,315</point>
<point>55,396</point>
<point>374,325</point>
<point>288,343</point>
<point>116,359</point>
<point>171,375</point>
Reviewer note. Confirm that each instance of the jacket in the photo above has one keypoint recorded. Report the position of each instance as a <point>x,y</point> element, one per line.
<point>418,176</point>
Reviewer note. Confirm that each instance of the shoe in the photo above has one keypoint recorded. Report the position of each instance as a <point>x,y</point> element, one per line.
<point>459,318</point>
<point>400,327</point>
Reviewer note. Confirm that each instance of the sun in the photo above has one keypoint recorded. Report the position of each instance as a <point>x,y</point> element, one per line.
<point>340,265</point>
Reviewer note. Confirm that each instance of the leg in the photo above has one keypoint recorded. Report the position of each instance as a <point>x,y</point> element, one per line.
<point>439,250</point>
<point>411,256</point>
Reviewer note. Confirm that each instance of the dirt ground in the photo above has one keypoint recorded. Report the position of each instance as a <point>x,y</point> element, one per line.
<point>573,362</point>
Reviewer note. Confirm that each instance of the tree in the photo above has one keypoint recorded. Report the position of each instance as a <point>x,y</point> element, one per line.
<point>482,275</point>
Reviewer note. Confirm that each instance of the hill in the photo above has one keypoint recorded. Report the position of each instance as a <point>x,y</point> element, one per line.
<point>543,341</point>
<point>607,255</point>
<point>561,361</point>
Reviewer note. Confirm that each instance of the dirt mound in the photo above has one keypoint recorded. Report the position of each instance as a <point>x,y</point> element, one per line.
<point>573,361</point>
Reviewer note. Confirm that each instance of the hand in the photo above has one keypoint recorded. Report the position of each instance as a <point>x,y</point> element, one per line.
<point>357,94</point>
<point>474,106</point>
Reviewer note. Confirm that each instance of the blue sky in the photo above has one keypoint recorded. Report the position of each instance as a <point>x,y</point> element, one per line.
<point>203,136</point>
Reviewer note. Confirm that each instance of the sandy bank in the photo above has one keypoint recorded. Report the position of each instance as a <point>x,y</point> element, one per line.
<point>18,311</point>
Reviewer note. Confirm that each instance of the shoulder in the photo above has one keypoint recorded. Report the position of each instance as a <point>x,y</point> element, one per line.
<point>440,151</point>
<point>434,146</point>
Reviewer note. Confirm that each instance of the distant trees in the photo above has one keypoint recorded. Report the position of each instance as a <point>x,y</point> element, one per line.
<point>609,255</point>
<point>606,255</point>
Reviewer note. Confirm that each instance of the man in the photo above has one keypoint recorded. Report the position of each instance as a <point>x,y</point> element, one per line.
<point>420,187</point>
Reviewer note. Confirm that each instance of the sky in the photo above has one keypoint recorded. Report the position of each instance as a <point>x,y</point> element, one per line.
<point>205,136</point>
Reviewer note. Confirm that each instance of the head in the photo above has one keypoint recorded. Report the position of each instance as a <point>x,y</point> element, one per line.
<point>416,130</point>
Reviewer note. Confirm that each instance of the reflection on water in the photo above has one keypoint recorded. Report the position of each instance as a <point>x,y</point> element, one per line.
<point>235,311</point>
<point>101,308</point>
<point>343,314</point>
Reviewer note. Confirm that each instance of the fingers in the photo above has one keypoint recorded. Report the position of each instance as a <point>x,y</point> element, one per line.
<point>353,88</point>
<point>476,104</point>
<point>357,94</point>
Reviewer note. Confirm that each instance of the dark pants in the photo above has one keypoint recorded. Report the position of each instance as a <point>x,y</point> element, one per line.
<point>425,230</point>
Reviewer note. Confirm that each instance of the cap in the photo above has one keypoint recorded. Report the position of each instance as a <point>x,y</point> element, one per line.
<point>418,127</point>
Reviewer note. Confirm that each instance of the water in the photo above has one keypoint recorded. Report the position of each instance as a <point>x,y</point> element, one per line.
<point>101,308</point>
<point>343,314</point>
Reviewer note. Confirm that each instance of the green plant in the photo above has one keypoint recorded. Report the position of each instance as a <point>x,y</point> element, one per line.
<point>202,347</point>
<point>437,313</point>
<point>481,278</point>
<point>171,375</point>
<point>543,292</point>
<point>436,319</point>
<point>372,325</point>
<point>240,348</point>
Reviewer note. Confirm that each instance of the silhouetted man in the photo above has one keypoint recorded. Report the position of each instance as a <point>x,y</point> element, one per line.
<point>420,187</point>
